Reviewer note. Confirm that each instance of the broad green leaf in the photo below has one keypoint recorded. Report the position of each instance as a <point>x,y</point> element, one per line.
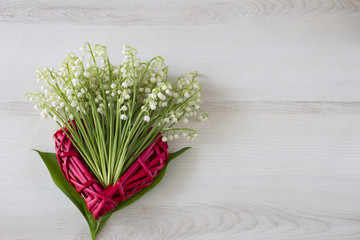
<point>102,222</point>
<point>95,225</point>
<point>60,181</point>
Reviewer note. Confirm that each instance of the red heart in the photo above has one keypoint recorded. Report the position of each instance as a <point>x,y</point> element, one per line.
<point>100,200</point>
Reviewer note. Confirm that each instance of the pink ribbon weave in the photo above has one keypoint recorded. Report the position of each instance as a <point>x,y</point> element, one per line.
<point>100,200</point>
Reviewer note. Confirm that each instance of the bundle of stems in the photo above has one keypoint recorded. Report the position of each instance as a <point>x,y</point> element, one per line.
<point>113,113</point>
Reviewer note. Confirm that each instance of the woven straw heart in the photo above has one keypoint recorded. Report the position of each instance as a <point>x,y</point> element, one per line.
<point>101,200</point>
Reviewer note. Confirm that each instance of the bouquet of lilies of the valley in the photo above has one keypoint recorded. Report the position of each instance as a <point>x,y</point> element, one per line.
<point>114,122</point>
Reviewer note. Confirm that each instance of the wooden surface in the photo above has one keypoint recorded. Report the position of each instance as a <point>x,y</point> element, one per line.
<point>279,157</point>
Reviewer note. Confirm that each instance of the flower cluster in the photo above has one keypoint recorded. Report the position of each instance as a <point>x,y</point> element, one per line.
<point>125,104</point>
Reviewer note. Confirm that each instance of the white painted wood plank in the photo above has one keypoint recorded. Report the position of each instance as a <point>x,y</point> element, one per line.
<point>187,12</point>
<point>255,51</point>
<point>257,171</point>
<point>279,157</point>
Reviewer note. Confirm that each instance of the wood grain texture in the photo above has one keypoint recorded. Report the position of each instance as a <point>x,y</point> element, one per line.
<point>278,158</point>
<point>269,170</point>
<point>290,59</point>
<point>122,13</point>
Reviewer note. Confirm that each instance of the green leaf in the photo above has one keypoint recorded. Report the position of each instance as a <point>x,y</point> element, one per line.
<point>60,181</point>
<point>102,222</point>
<point>178,153</point>
<point>95,225</point>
